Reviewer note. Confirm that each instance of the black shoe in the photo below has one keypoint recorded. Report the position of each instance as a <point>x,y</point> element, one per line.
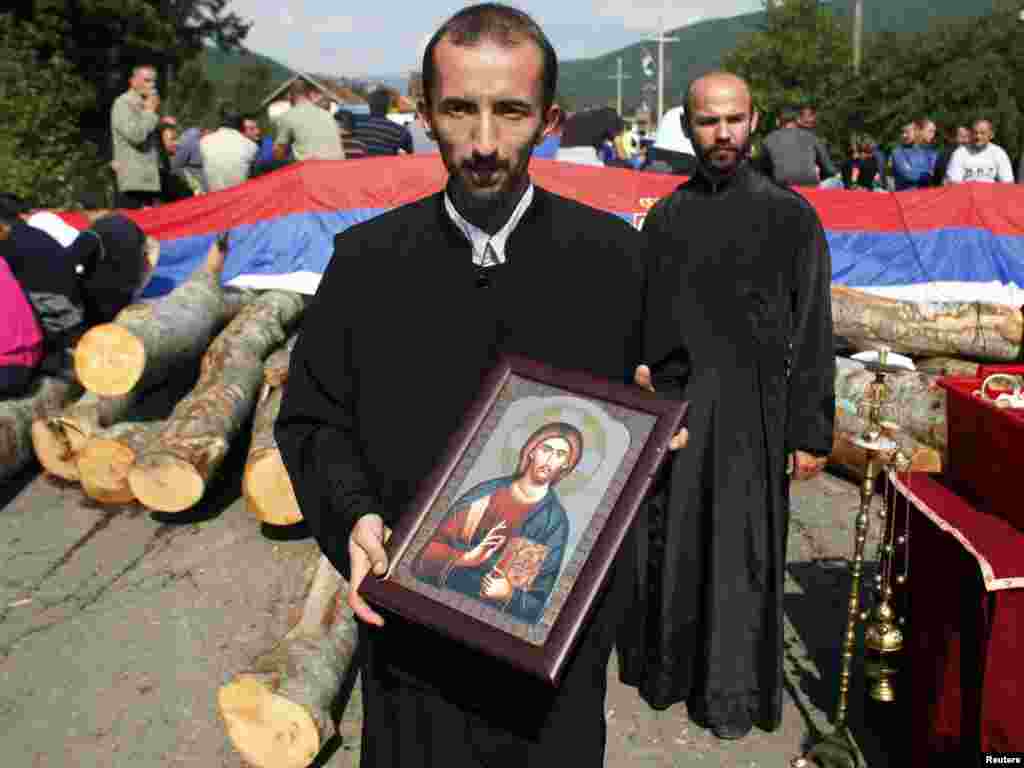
<point>732,731</point>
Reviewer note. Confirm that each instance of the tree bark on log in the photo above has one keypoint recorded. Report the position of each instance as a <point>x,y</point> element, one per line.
<point>278,713</point>
<point>947,366</point>
<point>917,403</point>
<point>58,439</point>
<point>47,396</point>
<point>108,456</point>
<point>173,473</point>
<point>266,485</point>
<point>145,342</point>
<point>275,369</point>
<point>976,330</point>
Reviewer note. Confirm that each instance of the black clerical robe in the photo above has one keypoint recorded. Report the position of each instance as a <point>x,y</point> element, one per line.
<point>391,354</point>
<point>739,322</point>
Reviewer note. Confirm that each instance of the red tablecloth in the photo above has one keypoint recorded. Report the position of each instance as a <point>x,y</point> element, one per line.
<point>964,650</point>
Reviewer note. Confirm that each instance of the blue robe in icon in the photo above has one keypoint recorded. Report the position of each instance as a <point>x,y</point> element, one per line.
<point>465,526</point>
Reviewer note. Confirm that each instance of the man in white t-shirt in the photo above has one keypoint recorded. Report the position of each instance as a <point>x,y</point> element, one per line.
<point>227,153</point>
<point>980,161</point>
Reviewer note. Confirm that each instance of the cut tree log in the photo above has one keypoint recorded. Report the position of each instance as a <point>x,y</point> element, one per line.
<point>916,403</point>
<point>947,366</point>
<point>145,342</point>
<point>266,485</point>
<point>58,439</point>
<point>173,473</point>
<point>108,456</point>
<point>278,713</point>
<point>275,369</point>
<point>975,330</point>
<point>47,396</point>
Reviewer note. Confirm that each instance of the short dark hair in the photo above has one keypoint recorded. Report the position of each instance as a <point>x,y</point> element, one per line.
<point>300,87</point>
<point>230,117</point>
<point>498,23</point>
<point>379,101</point>
<point>11,207</point>
<point>788,115</point>
<point>345,120</point>
<point>253,116</point>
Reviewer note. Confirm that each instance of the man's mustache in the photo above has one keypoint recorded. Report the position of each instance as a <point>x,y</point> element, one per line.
<point>485,165</point>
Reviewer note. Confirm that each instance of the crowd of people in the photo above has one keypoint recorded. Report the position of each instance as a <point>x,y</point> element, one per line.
<point>154,164</point>
<point>794,155</point>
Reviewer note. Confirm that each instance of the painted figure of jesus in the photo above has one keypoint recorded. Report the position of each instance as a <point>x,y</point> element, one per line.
<point>503,541</point>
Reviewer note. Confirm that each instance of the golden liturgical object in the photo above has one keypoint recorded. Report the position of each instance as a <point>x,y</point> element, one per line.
<point>883,636</point>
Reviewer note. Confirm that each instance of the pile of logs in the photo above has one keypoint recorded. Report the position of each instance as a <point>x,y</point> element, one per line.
<point>86,431</point>
<point>278,712</point>
<point>945,339</point>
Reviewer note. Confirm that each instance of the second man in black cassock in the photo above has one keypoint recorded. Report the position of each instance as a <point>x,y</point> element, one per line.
<point>739,322</point>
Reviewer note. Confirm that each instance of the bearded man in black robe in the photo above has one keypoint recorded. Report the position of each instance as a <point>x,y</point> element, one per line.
<point>415,307</point>
<point>739,321</point>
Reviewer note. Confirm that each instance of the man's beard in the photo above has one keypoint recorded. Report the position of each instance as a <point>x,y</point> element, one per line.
<point>738,154</point>
<point>489,207</point>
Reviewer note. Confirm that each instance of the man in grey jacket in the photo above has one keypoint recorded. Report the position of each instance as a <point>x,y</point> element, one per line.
<point>133,127</point>
<point>793,155</point>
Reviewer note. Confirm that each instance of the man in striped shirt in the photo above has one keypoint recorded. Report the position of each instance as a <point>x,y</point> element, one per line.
<point>354,148</point>
<point>381,135</point>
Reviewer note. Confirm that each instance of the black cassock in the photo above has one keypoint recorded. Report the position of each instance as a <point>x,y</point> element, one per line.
<point>739,322</point>
<point>392,353</point>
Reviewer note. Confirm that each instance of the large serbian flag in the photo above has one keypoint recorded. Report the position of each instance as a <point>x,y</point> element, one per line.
<point>964,242</point>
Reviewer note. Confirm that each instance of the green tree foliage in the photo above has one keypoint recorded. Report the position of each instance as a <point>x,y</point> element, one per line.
<point>65,61</point>
<point>955,72</point>
<point>801,54</point>
<point>42,158</point>
<point>252,86</point>
<point>192,97</point>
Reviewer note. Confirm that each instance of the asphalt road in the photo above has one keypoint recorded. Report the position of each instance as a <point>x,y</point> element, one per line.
<point>117,626</point>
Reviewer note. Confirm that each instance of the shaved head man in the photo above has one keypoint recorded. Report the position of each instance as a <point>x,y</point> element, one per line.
<point>721,119</point>
<point>739,323</point>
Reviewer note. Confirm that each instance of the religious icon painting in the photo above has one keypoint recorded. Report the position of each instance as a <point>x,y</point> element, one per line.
<point>511,538</point>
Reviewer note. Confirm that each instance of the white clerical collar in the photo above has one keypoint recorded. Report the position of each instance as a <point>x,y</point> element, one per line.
<point>489,250</point>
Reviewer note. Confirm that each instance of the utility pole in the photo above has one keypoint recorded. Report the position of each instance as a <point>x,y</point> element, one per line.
<point>858,34</point>
<point>661,40</point>
<point>619,78</point>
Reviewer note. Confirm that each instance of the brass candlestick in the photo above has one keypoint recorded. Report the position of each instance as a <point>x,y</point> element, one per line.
<point>882,634</point>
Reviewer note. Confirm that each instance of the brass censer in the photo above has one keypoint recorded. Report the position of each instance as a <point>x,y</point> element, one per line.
<point>883,635</point>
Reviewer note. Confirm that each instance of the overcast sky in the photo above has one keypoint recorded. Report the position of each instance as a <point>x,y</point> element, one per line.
<point>338,38</point>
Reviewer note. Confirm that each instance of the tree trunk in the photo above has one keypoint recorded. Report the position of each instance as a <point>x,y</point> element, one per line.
<point>145,342</point>
<point>947,366</point>
<point>917,404</point>
<point>103,464</point>
<point>47,396</point>
<point>278,713</point>
<point>173,473</point>
<point>265,484</point>
<point>275,369</point>
<point>976,330</point>
<point>58,439</point>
